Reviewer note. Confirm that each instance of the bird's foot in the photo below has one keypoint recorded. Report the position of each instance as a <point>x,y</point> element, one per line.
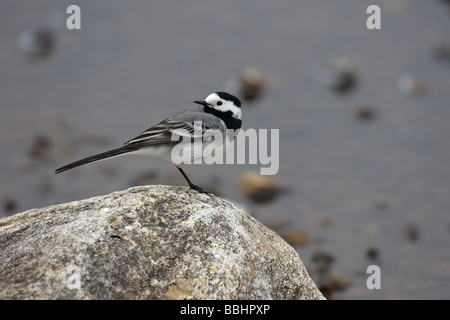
<point>199,189</point>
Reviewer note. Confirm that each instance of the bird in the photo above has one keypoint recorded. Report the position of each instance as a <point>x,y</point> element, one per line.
<point>196,126</point>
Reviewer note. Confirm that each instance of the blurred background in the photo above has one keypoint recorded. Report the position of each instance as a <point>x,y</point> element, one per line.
<point>364,120</point>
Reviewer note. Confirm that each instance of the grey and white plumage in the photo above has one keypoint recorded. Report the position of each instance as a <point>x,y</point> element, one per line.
<point>219,111</point>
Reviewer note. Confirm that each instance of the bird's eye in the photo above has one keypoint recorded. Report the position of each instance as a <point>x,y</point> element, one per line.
<point>219,103</point>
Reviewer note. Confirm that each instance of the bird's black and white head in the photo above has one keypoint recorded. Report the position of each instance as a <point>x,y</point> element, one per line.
<point>225,106</point>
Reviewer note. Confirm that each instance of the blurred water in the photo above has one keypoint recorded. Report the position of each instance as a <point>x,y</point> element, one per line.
<point>355,185</point>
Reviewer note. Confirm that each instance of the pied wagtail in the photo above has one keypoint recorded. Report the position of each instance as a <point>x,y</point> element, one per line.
<point>219,111</point>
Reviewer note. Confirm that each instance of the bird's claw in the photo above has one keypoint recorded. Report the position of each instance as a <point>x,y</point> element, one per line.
<point>199,189</point>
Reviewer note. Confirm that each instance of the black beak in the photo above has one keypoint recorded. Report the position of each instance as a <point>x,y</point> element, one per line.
<point>203,103</point>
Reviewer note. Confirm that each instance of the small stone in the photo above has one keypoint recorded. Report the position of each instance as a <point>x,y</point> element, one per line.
<point>40,146</point>
<point>381,204</point>
<point>338,74</point>
<point>372,253</point>
<point>365,113</point>
<point>252,84</point>
<point>297,238</point>
<point>411,232</point>
<point>410,86</point>
<point>37,42</point>
<point>10,205</point>
<point>259,188</point>
<point>332,285</point>
<point>325,222</point>
<point>323,261</point>
<point>322,257</point>
<point>442,52</point>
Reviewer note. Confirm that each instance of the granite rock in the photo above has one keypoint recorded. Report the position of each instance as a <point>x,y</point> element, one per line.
<point>149,242</point>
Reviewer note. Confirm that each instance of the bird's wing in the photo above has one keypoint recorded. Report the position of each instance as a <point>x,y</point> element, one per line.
<point>191,123</point>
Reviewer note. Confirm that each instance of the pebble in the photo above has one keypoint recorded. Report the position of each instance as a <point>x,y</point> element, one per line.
<point>410,86</point>
<point>332,285</point>
<point>381,204</point>
<point>297,238</point>
<point>411,232</point>
<point>249,86</point>
<point>10,205</point>
<point>325,222</point>
<point>40,41</point>
<point>252,84</point>
<point>372,253</point>
<point>40,146</point>
<point>365,113</point>
<point>442,52</point>
<point>37,41</point>
<point>323,261</point>
<point>338,74</point>
<point>259,188</point>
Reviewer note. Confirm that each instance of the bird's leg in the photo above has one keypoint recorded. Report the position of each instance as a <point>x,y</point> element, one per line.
<point>191,185</point>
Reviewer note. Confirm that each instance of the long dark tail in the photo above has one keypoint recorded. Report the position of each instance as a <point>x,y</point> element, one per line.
<point>97,157</point>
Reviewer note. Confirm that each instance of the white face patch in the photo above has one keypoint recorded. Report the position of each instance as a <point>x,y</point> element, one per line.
<point>215,102</point>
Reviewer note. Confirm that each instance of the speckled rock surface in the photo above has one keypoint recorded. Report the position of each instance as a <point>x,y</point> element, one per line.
<point>151,242</point>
